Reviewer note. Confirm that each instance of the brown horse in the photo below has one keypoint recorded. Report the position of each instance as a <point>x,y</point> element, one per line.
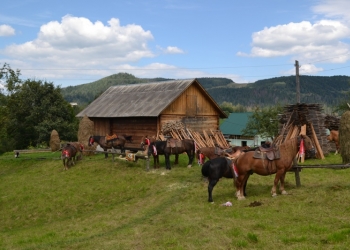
<point>334,136</point>
<point>265,164</point>
<point>117,142</point>
<point>68,155</point>
<point>173,146</point>
<point>241,148</point>
<point>213,152</point>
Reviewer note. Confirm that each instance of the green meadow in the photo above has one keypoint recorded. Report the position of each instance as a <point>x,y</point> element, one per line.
<point>105,204</point>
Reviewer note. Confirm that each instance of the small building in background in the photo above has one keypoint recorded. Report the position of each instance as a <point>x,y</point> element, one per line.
<point>232,129</point>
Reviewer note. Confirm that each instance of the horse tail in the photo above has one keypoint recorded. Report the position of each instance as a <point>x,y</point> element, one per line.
<point>206,169</point>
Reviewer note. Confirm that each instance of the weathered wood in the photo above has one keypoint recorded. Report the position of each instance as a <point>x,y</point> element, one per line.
<point>318,147</point>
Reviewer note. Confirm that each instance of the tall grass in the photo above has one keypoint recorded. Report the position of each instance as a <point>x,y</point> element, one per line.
<point>101,204</point>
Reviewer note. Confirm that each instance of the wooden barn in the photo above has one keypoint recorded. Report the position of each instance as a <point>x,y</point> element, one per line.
<point>141,109</point>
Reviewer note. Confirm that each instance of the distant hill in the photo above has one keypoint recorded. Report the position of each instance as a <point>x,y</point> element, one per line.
<point>282,90</point>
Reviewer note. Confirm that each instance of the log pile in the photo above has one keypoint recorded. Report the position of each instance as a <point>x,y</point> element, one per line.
<point>293,119</point>
<point>332,122</point>
<point>179,131</point>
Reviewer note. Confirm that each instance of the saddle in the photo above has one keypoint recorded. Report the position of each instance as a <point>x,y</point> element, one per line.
<point>272,153</point>
<point>111,137</point>
<point>173,143</point>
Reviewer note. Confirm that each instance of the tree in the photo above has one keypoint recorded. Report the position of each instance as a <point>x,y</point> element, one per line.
<point>263,122</point>
<point>344,103</point>
<point>35,108</point>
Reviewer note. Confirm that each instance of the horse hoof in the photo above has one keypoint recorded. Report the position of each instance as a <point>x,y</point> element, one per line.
<point>274,195</point>
<point>240,198</point>
<point>284,192</point>
<point>189,166</point>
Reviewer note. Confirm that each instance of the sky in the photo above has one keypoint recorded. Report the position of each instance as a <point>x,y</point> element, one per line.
<point>76,42</point>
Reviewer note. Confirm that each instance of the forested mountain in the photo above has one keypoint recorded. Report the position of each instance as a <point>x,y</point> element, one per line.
<point>282,90</point>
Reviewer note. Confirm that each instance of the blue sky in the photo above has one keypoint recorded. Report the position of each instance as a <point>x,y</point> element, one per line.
<point>76,42</point>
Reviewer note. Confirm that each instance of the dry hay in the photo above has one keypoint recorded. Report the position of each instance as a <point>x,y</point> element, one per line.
<point>55,143</point>
<point>344,137</point>
<point>86,129</point>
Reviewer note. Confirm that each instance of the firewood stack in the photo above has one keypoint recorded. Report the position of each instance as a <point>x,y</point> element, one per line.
<point>332,122</point>
<point>178,130</point>
<point>295,116</point>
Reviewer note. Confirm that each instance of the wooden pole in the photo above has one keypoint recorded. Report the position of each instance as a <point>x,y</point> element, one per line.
<point>318,147</point>
<point>297,80</point>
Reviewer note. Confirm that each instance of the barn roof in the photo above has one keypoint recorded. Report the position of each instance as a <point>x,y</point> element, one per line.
<point>141,100</point>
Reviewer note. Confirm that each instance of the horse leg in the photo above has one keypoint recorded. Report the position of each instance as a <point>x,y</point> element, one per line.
<point>282,183</point>
<point>211,186</point>
<point>240,181</point>
<point>190,159</point>
<point>167,161</point>
<point>154,161</point>
<point>275,182</point>
<point>176,159</point>
<point>245,185</point>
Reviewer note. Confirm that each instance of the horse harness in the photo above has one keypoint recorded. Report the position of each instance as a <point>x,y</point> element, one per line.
<point>270,154</point>
<point>173,143</point>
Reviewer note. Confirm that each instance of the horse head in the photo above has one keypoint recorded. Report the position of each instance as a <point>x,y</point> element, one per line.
<point>91,141</point>
<point>152,150</point>
<point>308,146</point>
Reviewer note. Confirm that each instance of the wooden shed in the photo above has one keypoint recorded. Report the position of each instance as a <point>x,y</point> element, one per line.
<point>142,109</point>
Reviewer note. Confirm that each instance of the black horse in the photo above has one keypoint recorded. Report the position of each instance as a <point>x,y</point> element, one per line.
<point>175,147</point>
<point>215,169</point>
<point>118,142</point>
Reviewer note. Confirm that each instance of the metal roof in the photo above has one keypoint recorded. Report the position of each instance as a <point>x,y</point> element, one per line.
<point>235,123</point>
<point>139,100</point>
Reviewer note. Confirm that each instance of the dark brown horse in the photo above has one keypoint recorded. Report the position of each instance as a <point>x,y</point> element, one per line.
<point>114,143</point>
<point>173,146</point>
<point>157,150</point>
<point>269,161</point>
<point>334,136</point>
<point>68,155</point>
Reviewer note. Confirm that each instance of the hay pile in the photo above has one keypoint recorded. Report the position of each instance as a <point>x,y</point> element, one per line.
<point>344,137</point>
<point>86,129</point>
<point>55,143</point>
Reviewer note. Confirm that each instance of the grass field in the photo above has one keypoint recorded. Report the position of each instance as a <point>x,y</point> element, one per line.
<point>101,204</point>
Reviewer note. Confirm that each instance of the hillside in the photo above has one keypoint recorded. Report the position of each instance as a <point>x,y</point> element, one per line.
<point>282,90</point>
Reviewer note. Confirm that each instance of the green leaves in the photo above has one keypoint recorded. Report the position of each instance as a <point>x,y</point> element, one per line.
<point>263,122</point>
<point>33,108</point>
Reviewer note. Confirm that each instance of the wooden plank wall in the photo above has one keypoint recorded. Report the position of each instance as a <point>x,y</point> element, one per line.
<point>181,106</point>
<point>136,126</point>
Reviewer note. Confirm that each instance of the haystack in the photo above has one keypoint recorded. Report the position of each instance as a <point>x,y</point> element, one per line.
<point>344,137</point>
<point>86,129</point>
<point>55,143</point>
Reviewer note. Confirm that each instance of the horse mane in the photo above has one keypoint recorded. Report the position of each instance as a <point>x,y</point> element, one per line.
<point>289,146</point>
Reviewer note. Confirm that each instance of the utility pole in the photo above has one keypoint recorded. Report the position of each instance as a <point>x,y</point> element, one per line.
<point>297,80</point>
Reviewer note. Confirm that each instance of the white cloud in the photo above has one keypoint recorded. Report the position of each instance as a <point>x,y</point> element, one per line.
<point>333,9</point>
<point>172,50</point>
<point>6,30</point>
<point>307,69</point>
<point>77,42</point>
<point>324,40</point>
<point>308,41</point>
